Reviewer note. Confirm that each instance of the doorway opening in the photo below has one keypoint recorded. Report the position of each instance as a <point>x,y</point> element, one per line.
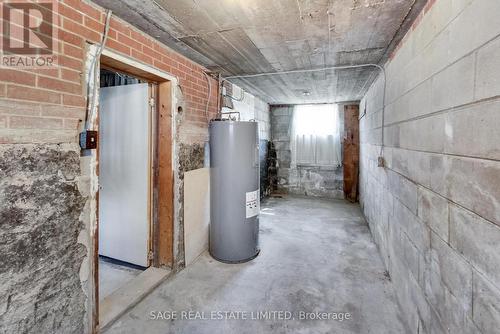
<point>133,242</point>
<point>125,178</point>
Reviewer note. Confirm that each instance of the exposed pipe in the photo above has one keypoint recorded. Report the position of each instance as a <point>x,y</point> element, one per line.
<point>304,71</point>
<point>95,69</point>
<point>219,93</point>
<point>230,113</point>
<point>209,93</point>
<point>345,67</point>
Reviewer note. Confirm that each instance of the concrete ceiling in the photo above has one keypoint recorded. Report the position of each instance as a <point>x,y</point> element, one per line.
<point>236,37</point>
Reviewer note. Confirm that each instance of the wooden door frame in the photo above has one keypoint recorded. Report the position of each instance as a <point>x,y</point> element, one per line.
<point>350,152</point>
<point>162,160</point>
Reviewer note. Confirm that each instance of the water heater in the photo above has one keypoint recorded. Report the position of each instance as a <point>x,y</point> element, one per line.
<point>234,190</point>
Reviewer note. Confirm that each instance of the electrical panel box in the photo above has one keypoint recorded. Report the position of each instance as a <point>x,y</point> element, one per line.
<point>88,140</point>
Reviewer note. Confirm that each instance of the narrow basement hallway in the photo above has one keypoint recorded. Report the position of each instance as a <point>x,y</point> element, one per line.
<point>317,256</point>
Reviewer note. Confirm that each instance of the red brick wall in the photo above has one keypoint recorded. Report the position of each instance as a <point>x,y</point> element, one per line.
<point>46,105</point>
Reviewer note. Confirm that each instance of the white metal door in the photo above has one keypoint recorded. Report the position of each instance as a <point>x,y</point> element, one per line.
<point>124,160</point>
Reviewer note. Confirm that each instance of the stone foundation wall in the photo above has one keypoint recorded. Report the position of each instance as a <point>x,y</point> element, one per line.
<point>40,224</point>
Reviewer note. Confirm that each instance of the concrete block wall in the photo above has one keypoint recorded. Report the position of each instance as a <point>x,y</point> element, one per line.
<point>316,181</point>
<point>45,271</point>
<point>434,210</point>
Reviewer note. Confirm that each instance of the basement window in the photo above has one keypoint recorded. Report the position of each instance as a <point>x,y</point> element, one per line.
<point>315,138</point>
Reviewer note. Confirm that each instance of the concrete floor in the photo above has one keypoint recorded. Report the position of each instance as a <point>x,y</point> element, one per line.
<point>317,256</point>
<point>113,276</point>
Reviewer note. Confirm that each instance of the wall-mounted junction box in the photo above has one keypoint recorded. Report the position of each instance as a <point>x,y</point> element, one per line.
<point>380,162</point>
<point>88,140</point>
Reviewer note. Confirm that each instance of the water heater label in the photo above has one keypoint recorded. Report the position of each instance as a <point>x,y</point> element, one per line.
<point>252,203</point>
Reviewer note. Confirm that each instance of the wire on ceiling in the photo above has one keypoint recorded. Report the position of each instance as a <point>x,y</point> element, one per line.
<point>345,67</point>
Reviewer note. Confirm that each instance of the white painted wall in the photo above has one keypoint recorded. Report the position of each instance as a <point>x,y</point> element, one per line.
<point>252,108</point>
